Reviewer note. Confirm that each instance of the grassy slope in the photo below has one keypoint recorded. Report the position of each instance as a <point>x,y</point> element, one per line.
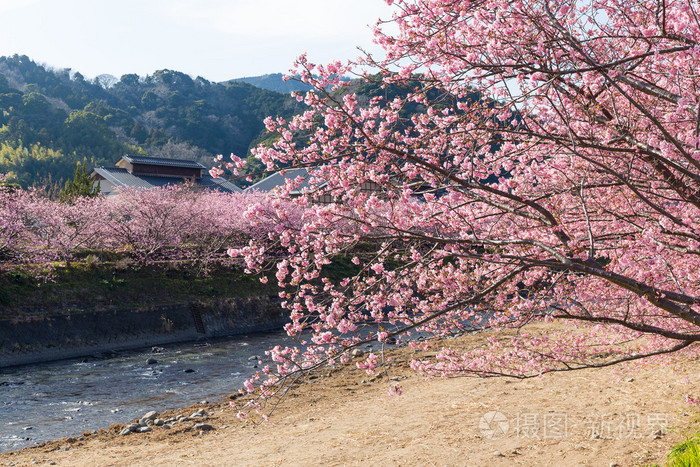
<point>106,285</point>
<point>103,286</point>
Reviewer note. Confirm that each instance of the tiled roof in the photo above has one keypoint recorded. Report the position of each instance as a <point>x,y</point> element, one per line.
<point>121,177</point>
<point>162,161</point>
<point>278,179</point>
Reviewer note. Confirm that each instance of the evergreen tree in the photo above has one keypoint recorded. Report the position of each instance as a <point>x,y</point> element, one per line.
<point>80,186</point>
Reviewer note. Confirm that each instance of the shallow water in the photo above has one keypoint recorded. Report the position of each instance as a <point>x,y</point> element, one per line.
<point>46,401</point>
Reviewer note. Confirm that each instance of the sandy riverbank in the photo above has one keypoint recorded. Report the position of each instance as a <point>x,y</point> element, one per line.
<point>590,417</point>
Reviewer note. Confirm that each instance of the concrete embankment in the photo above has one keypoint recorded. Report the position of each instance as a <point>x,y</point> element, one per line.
<point>67,335</point>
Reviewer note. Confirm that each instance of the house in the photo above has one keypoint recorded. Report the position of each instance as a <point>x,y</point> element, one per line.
<point>278,179</point>
<point>149,172</point>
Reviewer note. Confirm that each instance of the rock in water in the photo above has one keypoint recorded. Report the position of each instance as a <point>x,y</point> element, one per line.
<point>151,361</point>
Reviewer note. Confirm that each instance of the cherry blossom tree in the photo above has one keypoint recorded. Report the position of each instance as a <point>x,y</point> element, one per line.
<point>65,227</point>
<point>149,224</point>
<point>542,164</point>
<point>19,231</point>
<point>223,221</point>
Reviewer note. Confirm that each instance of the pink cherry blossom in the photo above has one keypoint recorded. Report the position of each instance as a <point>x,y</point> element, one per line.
<point>529,161</point>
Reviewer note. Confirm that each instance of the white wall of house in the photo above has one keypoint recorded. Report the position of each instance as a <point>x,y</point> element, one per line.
<point>107,188</point>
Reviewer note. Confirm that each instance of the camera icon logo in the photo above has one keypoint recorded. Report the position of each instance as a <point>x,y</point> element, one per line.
<point>494,425</point>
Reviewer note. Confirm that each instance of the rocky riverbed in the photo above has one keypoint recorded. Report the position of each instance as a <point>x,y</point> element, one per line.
<point>341,416</point>
<point>66,398</point>
<point>152,419</point>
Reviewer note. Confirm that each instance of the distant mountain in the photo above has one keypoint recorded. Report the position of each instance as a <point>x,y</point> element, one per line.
<point>274,82</point>
<point>51,119</point>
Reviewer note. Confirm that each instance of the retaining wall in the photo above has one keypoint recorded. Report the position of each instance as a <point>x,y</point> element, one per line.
<point>68,335</point>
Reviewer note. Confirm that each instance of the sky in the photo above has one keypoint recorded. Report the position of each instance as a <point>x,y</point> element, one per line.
<point>215,39</point>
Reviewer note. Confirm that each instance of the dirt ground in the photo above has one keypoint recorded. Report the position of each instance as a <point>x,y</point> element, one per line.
<point>590,417</point>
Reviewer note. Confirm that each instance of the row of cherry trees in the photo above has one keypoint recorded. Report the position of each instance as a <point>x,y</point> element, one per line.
<point>163,224</point>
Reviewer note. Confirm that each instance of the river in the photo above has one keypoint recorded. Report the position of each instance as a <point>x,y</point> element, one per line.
<point>46,401</point>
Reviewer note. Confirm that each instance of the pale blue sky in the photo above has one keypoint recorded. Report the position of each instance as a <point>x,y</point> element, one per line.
<point>216,39</point>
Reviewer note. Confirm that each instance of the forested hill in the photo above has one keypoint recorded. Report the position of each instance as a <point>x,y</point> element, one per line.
<point>52,119</point>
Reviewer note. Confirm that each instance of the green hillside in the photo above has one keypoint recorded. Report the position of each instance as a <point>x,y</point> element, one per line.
<point>52,119</point>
